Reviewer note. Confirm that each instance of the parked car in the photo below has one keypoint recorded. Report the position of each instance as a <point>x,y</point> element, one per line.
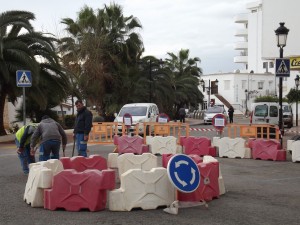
<point>211,112</point>
<point>140,112</point>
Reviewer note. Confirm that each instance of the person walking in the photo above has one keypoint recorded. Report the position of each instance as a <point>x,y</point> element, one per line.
<point>83,126</point>
<point>230,114</point>
<point>22,140</point>
<point>51,135</point>
<point>182,114</point>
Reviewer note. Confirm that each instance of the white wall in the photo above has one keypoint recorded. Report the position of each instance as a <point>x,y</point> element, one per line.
<point>274,12</point>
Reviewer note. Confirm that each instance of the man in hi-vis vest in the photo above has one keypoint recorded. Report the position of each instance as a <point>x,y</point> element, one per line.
<point>22,140</point>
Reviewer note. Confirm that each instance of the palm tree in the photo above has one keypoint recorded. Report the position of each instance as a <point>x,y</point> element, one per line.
<point>106,46</point>
<point>23,48</point>
<point>183,76</point>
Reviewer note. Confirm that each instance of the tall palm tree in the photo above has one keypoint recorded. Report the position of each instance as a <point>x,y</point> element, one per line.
<point>23,48</point>
<point>107,47</point>
<point>183,76</point>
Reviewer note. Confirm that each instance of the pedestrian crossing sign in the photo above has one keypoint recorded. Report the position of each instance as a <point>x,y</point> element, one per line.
<point>282,68</point>
<point>24,78</point>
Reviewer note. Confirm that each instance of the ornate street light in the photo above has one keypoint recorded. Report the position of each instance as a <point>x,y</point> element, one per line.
<point>281,34</point>
<point>202,83</point>
<point>297,85</point>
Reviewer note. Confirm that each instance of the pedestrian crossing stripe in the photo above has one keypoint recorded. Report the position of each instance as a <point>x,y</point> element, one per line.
<point>282,69</point>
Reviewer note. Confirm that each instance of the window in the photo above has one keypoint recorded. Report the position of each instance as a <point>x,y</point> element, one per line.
<point>226,84</point>
<point>265,65</point>
<point>244,84</point>
<point>273,111</point>
<point>260,85</point>
<point>271,64</point>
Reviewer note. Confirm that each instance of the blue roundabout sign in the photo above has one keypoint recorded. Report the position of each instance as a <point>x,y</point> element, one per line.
<point>183,172</point>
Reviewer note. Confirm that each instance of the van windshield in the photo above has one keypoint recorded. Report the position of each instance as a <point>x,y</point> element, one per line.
<point>134,111</point>
<point>261,110</point>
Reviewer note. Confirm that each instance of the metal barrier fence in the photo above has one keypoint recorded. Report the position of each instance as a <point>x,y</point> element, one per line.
<point>266,131</point>
<point>176,129</point>
<point>103,132</point>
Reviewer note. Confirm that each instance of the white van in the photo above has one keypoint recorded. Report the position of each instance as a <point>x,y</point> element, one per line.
<point>140,112</point>
<point>265,113</point>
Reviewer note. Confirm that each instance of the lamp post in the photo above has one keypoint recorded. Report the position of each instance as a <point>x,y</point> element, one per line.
<point>297,85</point>
<point>246,96</point>
<point>202,83</point>
<point>281,33</point>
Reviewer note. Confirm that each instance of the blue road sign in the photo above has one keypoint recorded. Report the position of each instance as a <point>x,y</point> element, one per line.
<point>24,78</point>
<point>183,172</point>
<point>282,68</point>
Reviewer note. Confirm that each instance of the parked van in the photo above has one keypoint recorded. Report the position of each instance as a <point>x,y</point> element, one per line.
<point>265,113</point>
<point>287,114</point>
<point>268,112</point>
<point>140,112</point>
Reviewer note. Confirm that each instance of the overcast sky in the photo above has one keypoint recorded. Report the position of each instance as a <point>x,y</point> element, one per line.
<point>204,27</point>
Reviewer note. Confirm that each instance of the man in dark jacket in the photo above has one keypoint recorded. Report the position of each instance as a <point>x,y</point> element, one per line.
<point>51,135</point>
<point>83,126</point>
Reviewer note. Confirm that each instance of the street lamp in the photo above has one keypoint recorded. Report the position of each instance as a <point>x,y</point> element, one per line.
<point>297,85</point>
<point>202,83</point>
<point>246,95</point>
<point>281,34</point>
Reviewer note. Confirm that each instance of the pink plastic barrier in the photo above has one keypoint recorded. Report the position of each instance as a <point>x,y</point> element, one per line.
<point>80,163</point>
<point>130,144</point>
<point>209,184</point>
<point>166,157</point>
<point>73,190</point>
<point>268,150</point>
<point>198,145</point>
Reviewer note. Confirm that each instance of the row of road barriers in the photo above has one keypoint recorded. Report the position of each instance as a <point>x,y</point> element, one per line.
<point>104,132</point>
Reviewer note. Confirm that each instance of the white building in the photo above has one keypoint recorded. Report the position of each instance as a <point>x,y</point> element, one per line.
<point>257,49</point>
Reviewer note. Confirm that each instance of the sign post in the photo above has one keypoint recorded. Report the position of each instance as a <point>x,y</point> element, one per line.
<point>24,79</point>
<point>127,120</point>
<point>183,173</point>
<point>219,122</point>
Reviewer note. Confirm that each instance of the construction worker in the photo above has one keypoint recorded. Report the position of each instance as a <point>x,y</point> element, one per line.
<point>22,140</point>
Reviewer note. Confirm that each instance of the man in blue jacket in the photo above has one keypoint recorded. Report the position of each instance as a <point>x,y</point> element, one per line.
<point>83,126</point>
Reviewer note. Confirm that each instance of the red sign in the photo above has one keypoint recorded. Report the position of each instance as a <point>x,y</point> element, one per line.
<point>127,119</point>
<point>219,122</point>
<point>162,118</point>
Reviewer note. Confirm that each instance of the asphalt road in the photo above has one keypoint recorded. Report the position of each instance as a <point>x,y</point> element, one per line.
<point>258,192</point>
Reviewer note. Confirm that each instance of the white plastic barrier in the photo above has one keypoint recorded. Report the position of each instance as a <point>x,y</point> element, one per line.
<point>216,141</point>
<point>294,147</point>
<point>208,159</point>
<point>40,177</point>
<point>233,148</point>
<point>112,160</point>
<point>128,161</point>
<point>142,189</point>
<point>163,145</point>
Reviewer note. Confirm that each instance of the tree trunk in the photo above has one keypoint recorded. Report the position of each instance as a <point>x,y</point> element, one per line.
<point>2,104</point>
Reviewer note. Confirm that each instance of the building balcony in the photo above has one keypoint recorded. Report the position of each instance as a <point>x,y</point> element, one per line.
<point>241,18</point>
<point>240,59</point>
<point>241,45</point>
<point>241,33</point>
